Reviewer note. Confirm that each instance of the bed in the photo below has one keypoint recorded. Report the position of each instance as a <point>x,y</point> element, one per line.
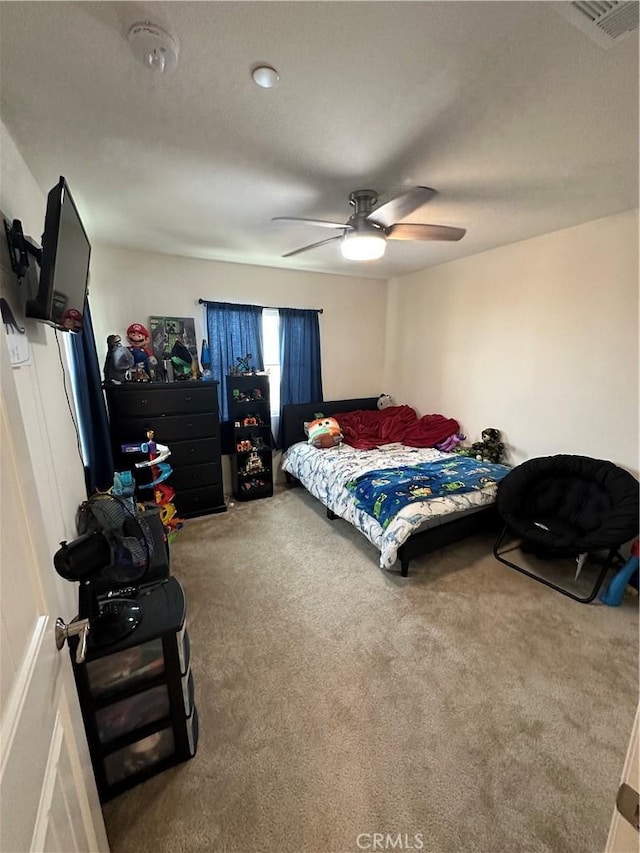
<point>416,529</point>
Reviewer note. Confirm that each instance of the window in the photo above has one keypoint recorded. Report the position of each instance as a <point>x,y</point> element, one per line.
<point>284,341</point>
<point>271,345</point>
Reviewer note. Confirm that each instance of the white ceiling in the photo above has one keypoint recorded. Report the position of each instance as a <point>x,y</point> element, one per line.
<point>520,122</point>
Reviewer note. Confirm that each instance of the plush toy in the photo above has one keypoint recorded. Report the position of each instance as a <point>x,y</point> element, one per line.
<point>489,449</point>
<point>138,338</point>
<point>384,401</point>
<point>449,445</point>
<point>324,433</point>
<point>118,362</point>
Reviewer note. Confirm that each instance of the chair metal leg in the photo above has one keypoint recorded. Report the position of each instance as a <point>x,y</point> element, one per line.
<point>606,565</point>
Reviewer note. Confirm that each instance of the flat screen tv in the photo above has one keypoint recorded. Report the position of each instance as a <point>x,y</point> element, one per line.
<point>64,264</point>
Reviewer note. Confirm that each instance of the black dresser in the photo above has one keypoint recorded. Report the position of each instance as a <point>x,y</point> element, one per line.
<point>184,416</point>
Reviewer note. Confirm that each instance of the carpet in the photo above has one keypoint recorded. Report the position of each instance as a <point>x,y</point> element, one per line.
<point>463,709</point>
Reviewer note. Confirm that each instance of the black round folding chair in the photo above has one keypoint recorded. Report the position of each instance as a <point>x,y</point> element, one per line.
<point>568,506</point>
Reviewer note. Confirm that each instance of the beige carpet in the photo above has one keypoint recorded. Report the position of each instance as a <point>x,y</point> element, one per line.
<point>465,708</point>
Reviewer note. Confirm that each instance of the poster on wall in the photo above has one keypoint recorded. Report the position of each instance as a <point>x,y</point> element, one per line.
<point>165,331</point>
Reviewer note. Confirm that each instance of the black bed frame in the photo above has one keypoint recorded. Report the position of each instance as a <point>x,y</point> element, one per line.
<point>292,431</point>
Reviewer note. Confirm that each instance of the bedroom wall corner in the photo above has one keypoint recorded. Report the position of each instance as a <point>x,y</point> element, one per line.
<point>537,338</point>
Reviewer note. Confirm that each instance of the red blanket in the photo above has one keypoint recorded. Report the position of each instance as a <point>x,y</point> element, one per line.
<point>366,429</point>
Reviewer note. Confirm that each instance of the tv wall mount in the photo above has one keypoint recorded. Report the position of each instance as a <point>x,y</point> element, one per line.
<point>20,247</point>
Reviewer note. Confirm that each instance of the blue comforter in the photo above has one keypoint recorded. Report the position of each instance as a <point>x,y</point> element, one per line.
<point>383,493</point>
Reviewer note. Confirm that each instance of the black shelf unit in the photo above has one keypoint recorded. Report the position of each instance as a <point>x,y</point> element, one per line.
<point>137,695</point>
<point>251,442</point>
<point>184,416</point>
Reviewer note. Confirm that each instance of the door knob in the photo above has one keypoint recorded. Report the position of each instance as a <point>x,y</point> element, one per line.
<point>75,628</point>
<point>628,804</point>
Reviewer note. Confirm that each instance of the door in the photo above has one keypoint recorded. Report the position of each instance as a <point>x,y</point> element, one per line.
<point>49,800</point>
<point>623,834</point>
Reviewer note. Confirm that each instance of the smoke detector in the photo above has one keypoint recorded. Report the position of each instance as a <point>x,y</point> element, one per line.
<point>153,46</point>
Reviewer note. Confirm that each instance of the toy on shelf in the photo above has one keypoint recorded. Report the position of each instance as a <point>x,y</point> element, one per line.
<point>160,471</point>
<point>242,368</point>
<point>254,464</point>
<point>182,361</point>
<point>144,360</point>
<point>253,485</point>
<point>205,361</point>
<point>118,363</point>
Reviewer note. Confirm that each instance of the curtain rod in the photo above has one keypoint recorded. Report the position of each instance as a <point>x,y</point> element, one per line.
<point>271,308</point>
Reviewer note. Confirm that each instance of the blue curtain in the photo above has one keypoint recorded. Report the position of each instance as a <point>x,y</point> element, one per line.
<point>300,363</point>
<point>92,413</point>
<point>234,331</point>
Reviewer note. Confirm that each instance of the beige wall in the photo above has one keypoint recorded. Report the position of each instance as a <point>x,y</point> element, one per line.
<point>129,286</point>
<point>58,470</point>
<point>538,339</point>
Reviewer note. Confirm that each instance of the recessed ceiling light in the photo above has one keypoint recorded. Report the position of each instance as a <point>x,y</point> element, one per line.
<point>265,76</point>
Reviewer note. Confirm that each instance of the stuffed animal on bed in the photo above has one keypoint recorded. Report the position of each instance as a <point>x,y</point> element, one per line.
<point>323,433</point>
<point>490,449</point>
<point>384,401</point>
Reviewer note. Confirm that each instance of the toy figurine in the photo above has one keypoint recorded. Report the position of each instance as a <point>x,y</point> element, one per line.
<point>243,365</point>
<point>138,338</point>
<point>182,360</point>
<point>118,362</point>
<point>253,464</point>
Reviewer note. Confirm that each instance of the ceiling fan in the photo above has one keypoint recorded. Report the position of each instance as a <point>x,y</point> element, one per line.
<point>364,235</point>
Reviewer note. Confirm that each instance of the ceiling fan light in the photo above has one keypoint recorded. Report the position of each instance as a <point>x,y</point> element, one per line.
<point>362,247</point>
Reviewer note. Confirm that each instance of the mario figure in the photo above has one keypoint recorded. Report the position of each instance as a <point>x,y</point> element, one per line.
<point>138,338</point>
<point>72,320</point>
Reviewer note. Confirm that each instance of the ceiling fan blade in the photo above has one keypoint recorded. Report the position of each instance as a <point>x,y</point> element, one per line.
<point>323,223</point>
<point>407,231</point>
<point>400,206</point>
<point>312,246</point>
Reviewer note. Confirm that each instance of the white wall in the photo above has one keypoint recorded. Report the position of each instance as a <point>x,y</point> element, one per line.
<point>58,470</point>
<point>538,338</point>
<point>130,286</point>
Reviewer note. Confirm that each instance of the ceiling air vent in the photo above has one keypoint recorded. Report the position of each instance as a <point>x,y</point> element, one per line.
<point>604,22</point>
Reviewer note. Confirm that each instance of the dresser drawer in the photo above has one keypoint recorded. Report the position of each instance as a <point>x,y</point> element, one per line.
<point>158,400</point>
<point>167,429</point>
<point>199,501</point>
<point>196,476</point>
<point>194,452</point>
